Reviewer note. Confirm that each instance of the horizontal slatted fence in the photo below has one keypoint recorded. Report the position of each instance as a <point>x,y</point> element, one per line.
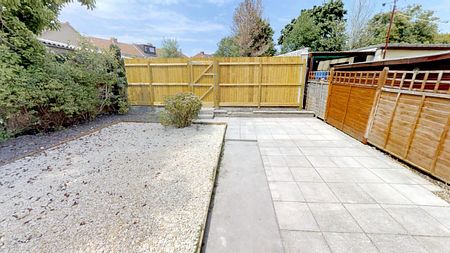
<point>317,92</point>
<point>351,96</point>
<point>411,119</point>
<point>243,81</point>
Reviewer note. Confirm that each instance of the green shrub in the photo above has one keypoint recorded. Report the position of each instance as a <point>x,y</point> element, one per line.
<point>180,110</point>
<point>42,91</point>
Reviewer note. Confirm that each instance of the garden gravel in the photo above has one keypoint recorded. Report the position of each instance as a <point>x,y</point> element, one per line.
<point>130,187</point>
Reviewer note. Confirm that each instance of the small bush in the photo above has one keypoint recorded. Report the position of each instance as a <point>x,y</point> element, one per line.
<point>180,110</point>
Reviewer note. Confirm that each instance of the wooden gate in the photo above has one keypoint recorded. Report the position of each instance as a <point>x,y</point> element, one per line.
<point>244,81</point>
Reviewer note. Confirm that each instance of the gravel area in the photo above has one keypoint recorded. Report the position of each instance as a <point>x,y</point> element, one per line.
<point>26,144</point>
<point>130,187</point>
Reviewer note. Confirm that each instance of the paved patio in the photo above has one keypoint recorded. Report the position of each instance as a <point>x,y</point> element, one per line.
<point>330,193</point>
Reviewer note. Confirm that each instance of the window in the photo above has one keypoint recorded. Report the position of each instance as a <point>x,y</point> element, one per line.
<point>149,49</point>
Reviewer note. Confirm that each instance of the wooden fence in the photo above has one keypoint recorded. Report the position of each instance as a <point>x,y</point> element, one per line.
<point>405,113</point>
<point>317,92</point>
<point>351,96</point>
<point>411,119</point>
<point>262,81</point>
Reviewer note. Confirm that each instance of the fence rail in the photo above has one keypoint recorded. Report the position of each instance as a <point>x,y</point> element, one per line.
<point>246,81</point>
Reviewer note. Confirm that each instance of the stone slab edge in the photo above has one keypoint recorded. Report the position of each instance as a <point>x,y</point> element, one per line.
<point>213,179</point>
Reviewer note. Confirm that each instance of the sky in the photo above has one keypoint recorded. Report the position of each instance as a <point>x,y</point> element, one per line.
<point>198,25</point>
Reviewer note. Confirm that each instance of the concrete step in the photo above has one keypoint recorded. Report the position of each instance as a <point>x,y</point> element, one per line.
<point>263,113</point>
<point>205,116</point>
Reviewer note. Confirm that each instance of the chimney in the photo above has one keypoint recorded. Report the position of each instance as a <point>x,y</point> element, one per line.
<point>113,40</point>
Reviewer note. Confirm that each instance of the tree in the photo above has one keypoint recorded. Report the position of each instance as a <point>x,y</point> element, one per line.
<point>227,47</point>
<point>361,13</point>
<point>301,32</point>
<point>411,25</point>
<point>170,49</point>
<point>321,28</point>
<point>38,15</point>
<point>252,33</point>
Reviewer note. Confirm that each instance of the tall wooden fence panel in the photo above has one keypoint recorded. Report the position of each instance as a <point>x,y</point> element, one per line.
<point>350,99</point>
<point>411,119</point>
<point>317,92</point>
<point>246,81</point>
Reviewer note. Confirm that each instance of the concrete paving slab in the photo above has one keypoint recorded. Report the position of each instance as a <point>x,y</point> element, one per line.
<point>419,195</point>
<point>333,218</point>
<point>396,176</point>
<point>304,242</point>
<point>435,244</point>
<point>374,219</point>
<point>350,193</point>
<point>285,191</point>
<point>396,243</point>
<point>441,214</point>
<point>305,174</point>
<point>349,243</point>
<point>317,192</point>
<point>416,220</point>
<point>295,216</point>
<point>243,217</point>
<point>321,161</point>
<point>385,194</point>
<point>279,174</point>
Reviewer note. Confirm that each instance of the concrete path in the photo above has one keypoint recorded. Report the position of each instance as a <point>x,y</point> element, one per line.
<point>242,218</point>
<point>333,194</point>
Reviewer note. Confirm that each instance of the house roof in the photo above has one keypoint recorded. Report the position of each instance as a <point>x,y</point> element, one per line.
<point>56,44</point>
<point>126,49</point>
<point>408,46</point>
<point>65,34</point>
<point>410,61</point>
<point>202,55</point>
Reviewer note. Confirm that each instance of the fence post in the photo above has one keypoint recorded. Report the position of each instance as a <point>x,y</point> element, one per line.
<point>381,82</point>
<point>189,69</point>
<point>216,84</point>
<point>150,81</point>
<point>330,81</point>
<point>440,146</point>
<point>259,84</point>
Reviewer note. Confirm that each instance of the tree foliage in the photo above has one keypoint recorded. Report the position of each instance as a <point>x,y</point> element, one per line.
<point>411,25</point>
<point>170,49</point>
<point>251,33</point>
<point>227,47</point>
<point>40,90</point>
<point>38,15</point>
<point>321,28</point>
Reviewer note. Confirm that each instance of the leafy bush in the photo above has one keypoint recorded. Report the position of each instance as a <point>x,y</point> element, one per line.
<point>180,110</point>
<point>41,91</point>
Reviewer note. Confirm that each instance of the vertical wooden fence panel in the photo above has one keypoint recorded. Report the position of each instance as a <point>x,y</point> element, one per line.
<point>244,81</point>
<point>350,99</point>
<point>412,119</point>
<point>317,92</point>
